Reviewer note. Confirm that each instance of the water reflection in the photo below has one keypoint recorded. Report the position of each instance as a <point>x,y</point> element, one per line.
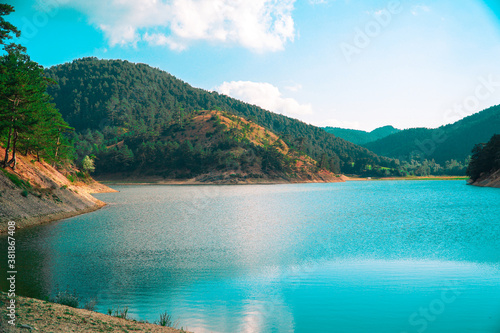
<point>291,258</point>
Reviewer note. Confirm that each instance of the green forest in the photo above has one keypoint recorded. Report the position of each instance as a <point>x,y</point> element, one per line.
<point>361,137</point>
<point>448,145</point>
<point>109,101</point>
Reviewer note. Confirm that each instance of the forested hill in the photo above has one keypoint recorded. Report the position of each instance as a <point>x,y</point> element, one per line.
<point>361,137</point>
<point>114,96</point>
<point>450,142</point>
<point>484,167</point>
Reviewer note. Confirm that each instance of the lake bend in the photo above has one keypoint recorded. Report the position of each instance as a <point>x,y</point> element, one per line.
<point>377,256</point>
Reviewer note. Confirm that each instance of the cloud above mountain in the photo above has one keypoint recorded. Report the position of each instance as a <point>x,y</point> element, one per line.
<point>258,25</point>
<point>264,95</point>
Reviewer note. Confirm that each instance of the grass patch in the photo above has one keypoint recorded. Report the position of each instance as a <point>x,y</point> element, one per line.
<point>17,181</point>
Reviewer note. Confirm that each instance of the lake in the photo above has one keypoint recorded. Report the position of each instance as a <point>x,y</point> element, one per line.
<point>379,256</point>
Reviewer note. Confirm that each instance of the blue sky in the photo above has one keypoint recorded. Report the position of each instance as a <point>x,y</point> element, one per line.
<point>348,63</point>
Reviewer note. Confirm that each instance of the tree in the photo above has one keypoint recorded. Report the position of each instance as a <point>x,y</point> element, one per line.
<point>88,164</point>
<point>24,102</point>
<point>6,28</point>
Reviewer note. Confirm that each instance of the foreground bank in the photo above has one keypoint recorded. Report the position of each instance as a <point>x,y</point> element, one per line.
<point>35,193</point>
<point>41,316</point>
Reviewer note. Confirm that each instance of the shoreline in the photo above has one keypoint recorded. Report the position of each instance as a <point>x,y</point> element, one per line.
<point>34,221</point>
<point>420,178</point>
<point>343,178</point>
<point>235,181</point>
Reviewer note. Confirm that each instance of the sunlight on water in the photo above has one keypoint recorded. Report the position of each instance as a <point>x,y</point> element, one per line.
<point>351,257</point>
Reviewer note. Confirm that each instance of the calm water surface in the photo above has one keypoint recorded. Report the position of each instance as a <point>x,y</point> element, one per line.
<point>397,256</point>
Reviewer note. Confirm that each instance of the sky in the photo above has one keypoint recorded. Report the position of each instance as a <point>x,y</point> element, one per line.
<point>342,63</point>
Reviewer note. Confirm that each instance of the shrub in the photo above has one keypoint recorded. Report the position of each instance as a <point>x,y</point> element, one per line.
<point>165,320</point>
<point>121,313</point>
<point>90,304</point>
<point>24,193</point>
<point>67,298</point>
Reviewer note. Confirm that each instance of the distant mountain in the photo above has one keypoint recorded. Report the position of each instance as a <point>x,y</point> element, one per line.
<point>450,142</point>
<point>121,101</point>
<point>361,137</point>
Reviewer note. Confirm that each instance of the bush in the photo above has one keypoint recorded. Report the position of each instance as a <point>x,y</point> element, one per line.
<point>165,320</point>
<point>67,298</point>
<point>90,304</point>
<point>120,313</point>
<point>24,193</point>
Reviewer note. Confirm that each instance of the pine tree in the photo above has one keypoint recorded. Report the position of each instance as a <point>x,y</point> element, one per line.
<point>27,118</point>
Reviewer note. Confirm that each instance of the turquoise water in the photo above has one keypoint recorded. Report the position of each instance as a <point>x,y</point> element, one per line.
<point>389,256</point>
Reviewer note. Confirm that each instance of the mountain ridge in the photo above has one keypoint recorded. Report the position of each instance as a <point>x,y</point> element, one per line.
<point>360,137</point>
<point>116,95</point>
<point>448,142</point>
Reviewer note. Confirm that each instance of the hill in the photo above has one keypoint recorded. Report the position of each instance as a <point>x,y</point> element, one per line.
<point>450,142</point>
<point>117,99</point>
<point>361,137</point>
<point>210,146</point>
<point>484,167</point>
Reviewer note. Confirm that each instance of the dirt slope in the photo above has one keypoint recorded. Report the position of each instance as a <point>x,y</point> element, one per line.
<point>492,180</point>
<point>36,193</point>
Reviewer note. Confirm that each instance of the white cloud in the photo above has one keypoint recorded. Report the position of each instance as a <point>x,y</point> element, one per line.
<point>259,25</point>
<point>416,10</point>
<point>317,2</point>
<point>159,39</point>
<point>264,95</point>
<point>294,87</point>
